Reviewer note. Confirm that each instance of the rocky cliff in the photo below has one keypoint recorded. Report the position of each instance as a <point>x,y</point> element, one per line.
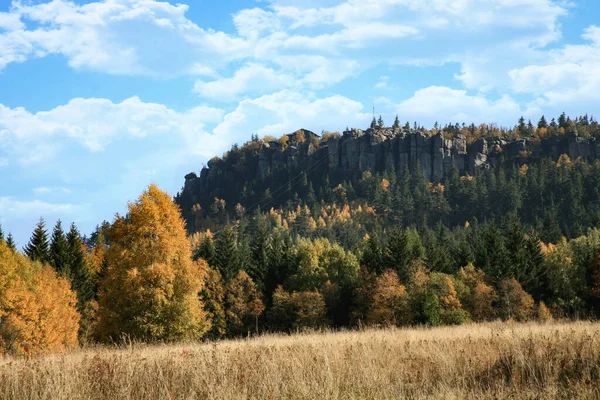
<point>376,150</point>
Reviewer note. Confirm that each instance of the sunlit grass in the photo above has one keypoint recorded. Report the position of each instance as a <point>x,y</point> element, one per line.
<point>495,360</point>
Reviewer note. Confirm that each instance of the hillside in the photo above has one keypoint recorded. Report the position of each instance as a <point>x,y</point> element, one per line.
<point>305,168</point>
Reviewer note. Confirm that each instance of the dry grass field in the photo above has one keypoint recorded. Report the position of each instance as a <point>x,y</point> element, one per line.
<point>489,361</point>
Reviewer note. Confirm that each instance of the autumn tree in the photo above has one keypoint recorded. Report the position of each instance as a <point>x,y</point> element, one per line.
<point>38,248</point>
<point>37,307</point>
<point>482,296</point>
<point>213,298</point>
<point>243,305</point>
<point>389,303</point>
<point>151,286</point>
<point>514,302</point>
<point>297,310</point>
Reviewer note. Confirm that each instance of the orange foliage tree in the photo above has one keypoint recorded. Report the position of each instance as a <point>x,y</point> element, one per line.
<point>151,285</point>
<point>37,308</point>
<point>389,304</point>
<point>243,304</point>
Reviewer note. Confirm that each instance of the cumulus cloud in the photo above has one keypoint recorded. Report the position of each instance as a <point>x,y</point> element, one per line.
<point>567,77</point>
<point>253,78</point>
<point>443,104</point>
<point>95,123</point>
<point>286,111</point>
<point>120,37</point>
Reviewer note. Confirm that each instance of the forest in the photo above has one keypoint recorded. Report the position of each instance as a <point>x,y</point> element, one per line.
<point>516,240</point>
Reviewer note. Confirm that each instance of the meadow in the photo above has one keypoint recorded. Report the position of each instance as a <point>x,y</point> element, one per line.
<point>479,361</point>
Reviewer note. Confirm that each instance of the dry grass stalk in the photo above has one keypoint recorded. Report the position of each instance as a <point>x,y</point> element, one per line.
<point>494,360</point>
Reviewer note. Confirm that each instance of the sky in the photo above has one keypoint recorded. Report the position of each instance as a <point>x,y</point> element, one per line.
<point>98,99</point>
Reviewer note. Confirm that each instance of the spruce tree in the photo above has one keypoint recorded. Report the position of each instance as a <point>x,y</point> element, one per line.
<point>59,256</point>
<point>1,234</point>
<point>226,253</point>
<point>397,254</point>
<point>396,123</point>
<point>542,123</point>
<point>10,242</point>
<point>38,248</point>
<point>79,271</point>
<point>380,122</point>
<point>206,251</point>
<point>260,259</point>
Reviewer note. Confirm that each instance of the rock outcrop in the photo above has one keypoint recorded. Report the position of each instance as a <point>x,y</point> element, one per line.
<point>375,150</point>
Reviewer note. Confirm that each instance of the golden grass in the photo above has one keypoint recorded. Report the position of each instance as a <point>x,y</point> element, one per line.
<point>496,360</point>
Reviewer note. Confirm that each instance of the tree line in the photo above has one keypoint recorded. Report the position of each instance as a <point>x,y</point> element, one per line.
<point>143,277</point>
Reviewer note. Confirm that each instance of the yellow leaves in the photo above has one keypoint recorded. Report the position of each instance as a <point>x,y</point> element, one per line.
<point>37,311</point>
<point>450,299</point>
<point>435,187</point>
<point>299,136</point>
<point>151,286</point>
<point>564,161</point>
<point>466,178</point>
<point>284,142</point>
<point>385,185</point>
<point>523,170</point>
<point>388,301</point>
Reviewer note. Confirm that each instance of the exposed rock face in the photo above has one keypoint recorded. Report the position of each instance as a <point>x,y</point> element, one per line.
<point>376,150</point>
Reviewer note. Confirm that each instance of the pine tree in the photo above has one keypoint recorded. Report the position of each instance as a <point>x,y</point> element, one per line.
<point>396,123</point>
<point>522,127</point>
<point>260,259</point>
<point>59,257</point>
<point>542,123</point>
<point>226,253</point>
<point>374,123</point>
<point>398,253</point>
<point>38,248</point>
<point>562,121</point>
<point>206,251</point>
<point>10,242</point>
<point>380,122</point>
<point>80,274</point>
<point>1,234</point>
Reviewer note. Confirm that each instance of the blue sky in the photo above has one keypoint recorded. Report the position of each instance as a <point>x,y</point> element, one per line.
<point>100,98</point>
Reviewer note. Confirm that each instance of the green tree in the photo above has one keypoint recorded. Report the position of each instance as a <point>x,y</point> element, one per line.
<point>59,257</point>
<point>396,123</point>
<point>226,253</point>
<point>10,242</point>
<point>38,248</point>
<point>81,278</point>
<point>398,255</point>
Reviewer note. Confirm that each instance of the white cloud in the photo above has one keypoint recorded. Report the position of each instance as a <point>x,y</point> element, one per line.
<point>286,111</point>
<point>117,36</point>
<point>443,104</point>
<point>568,77</point>
<point>44,190</point>
<point>253,78</point>
<point>96,123</point>
<point>14,208</point>
<point>156,38</point>
<point>383,82</point>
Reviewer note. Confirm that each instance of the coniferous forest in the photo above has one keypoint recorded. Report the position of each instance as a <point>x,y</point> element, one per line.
<point>284,234</point>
